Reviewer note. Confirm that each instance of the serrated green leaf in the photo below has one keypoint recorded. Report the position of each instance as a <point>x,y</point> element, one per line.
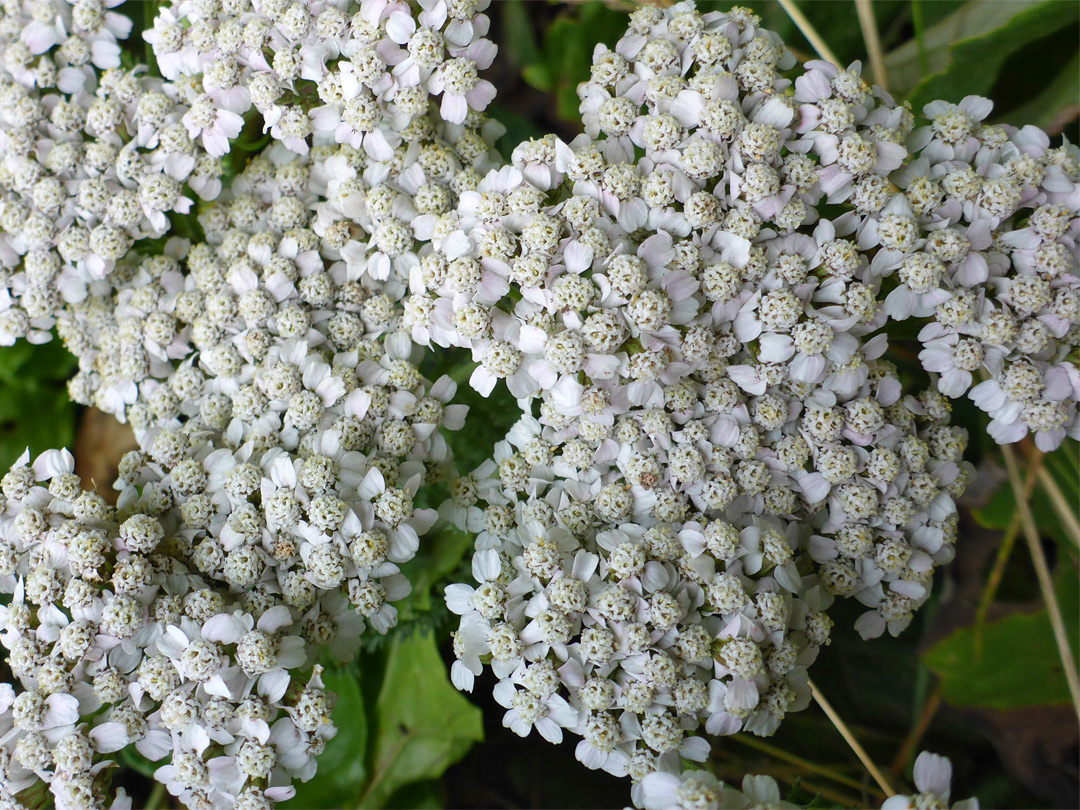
<point>472,445</point>
<point>966,50</point>
<point>1019,664</point>
<point>422,724</point>
<point>342,766</point>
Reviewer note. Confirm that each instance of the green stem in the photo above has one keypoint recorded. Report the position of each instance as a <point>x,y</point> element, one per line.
<point>1042,572</point>
<point>154,801</point>
<point>807,30</point>
<point>849,738</point>
<point>997,573</point>
<point>1066,513</point>
<point>805,764</point>
<point>920,35</point>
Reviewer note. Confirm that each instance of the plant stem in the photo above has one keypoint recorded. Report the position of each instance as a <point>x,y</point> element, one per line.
<point>805,764</point>
<point>808,31</point>
<point>868,24</point>
<point>993,582</point>
<point>1066,513</point>
<point>849,738</point>
<point>150,10</point>
<point>1042,571</point>
<point>1008,542</point>
<point>153,801</point>
<point>911,742</point>
<point>920,35</point>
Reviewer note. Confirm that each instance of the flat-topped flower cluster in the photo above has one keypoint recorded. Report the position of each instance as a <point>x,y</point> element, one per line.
<point>283,423</point>
<point>691,302</point>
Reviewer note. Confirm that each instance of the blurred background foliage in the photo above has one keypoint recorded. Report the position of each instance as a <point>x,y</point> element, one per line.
<point>976,677</point>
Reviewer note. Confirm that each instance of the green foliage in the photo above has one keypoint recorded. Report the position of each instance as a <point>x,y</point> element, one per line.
<point>805,798</point>
<point>564,59</point>
<point>342,766</point>
<point>966,51</point>
<point>518,129</point>
<point>420,796</point>
<point>1064,465</point>
<point>439,555</point>
<point>1055,103</point>
<point>401,724</point>
<point>441,559</point>
<point>35,410</point>
<point>517,31</point>
<point>422,725</point>
<point>1019,664</point>
<point>473,444</point>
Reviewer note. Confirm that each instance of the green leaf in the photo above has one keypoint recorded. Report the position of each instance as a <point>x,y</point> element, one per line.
<point>439,554</point>
<point>420,796</point>
<point>422,724</point>
<point>973,19</point>
<point>1019,665</point>
<point>966,50</point>
<point>35,410</point>
<point>342,766</point>
<point>999,510</point>
<point>565,59</point>
<point>45,361</point>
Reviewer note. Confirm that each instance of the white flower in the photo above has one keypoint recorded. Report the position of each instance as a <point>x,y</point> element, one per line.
<point>458,83</point>
<point>526,710</point>
<point>215,126</point>
<point>933,780</point>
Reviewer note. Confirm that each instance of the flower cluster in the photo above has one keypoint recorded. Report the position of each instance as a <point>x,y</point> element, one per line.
<point>284,430</point>
<point>117,642</point>
<point>994,211</point>
<point>364,77</point>
<point>712,447</point>
<point>91,164</point>
<point>716,453</point>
